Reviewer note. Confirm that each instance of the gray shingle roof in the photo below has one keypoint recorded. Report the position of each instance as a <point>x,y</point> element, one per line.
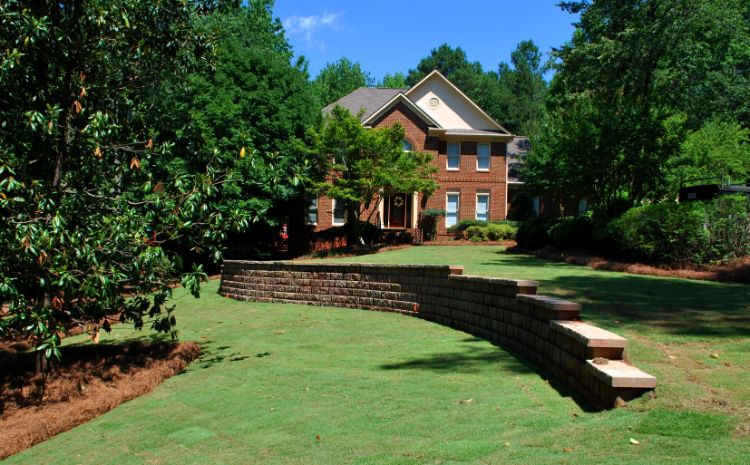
<point>371,99</point>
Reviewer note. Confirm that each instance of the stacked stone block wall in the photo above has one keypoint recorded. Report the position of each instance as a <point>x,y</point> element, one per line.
<point>543,329</point>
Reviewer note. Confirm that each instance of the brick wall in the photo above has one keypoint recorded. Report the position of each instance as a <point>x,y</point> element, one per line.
<point>545,330</point>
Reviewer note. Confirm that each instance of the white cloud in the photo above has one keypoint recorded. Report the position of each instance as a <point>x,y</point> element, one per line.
<point>307,27</point>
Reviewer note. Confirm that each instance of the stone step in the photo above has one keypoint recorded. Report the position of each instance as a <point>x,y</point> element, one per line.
<point>596,342</point>
<point>619,374</point>
<point>547,308</point>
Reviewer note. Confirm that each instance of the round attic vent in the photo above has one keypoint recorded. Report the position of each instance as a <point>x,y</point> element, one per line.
<point>434,102</point>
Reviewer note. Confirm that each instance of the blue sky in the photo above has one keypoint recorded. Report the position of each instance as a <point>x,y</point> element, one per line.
<point>386,36</point>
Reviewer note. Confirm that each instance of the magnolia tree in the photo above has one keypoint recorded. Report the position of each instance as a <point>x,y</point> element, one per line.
<point>90,189</point>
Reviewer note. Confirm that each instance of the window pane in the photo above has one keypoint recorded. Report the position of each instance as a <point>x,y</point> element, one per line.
<point>312,211</point>
<point>483,156</point>
<point>339,212</point>
<point>451,209</point>
<point>406,145</point>
<point>483,207</point>
<point>454,155</point>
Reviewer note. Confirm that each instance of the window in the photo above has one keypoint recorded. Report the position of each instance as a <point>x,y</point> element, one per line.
<point>454,155</point>
<point>312,212</point>
<point>483,207</point>
<point>483,157</point>
<point>339,212</point>
<point>451,209</point>
<point>406,145</point>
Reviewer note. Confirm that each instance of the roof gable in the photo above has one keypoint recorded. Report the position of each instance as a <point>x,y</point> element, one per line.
<point>409,104</point>
<point>449,107</point>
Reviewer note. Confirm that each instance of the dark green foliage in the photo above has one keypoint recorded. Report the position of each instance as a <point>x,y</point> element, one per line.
<point>338,79</point>
<point>90,188</point>
<point>428,223</point>
<point>532,234</point>
<point>244,108</point>
<point>521,207</point>
<point>637,77</point>
<point>697,232</point>
<point>571,233</point>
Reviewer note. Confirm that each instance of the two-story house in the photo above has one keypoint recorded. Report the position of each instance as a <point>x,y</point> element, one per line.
<point>467,145</point>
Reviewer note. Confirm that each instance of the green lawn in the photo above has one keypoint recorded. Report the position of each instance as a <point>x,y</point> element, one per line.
<point>307,385</point>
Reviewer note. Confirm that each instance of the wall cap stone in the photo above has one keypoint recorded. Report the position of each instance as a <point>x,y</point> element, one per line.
<point>501,281</point>
<point>619,374</point>
<point>588,334</point>
<point>550,303</point>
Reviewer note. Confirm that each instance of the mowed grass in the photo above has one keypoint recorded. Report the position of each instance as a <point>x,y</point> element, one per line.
<point>287,384</point>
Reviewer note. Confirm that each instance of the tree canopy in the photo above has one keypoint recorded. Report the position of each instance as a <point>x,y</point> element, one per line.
<point>636,78</point>
<point>360,165</point>
<point>338,79</point>
<point>128,128</point>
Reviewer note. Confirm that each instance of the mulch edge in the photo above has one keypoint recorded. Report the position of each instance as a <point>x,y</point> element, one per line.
<point>735,272</point>
<point>60,417</point>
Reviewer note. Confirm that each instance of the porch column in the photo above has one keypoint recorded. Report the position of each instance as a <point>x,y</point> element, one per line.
<point>414,208</point>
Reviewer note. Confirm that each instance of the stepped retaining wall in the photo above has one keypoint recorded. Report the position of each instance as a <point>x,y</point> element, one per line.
<point>545,330</point>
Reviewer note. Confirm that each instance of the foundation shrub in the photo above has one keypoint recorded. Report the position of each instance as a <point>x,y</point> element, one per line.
<point>479,231</point>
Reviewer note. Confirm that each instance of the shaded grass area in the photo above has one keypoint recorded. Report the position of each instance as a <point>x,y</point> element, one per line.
<point>287,384</point>
<point>694,336</point>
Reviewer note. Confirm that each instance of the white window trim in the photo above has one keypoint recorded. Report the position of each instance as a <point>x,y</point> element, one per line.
<point>476,204</point>
<point>447,157</point>
<point>489,157</point>
<point>458,207</point>
<point>333,214</point>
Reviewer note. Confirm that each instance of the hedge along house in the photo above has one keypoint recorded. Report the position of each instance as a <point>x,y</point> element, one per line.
<point>468,148</point>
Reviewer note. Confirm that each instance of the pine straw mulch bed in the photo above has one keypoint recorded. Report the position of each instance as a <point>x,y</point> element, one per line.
<point>90,380</point>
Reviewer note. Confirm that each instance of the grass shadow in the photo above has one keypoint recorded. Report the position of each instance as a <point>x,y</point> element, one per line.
<point>674,306</point>
<point>472,359</point>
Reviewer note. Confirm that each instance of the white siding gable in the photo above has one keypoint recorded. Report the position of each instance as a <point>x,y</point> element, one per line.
<point>451,110</point>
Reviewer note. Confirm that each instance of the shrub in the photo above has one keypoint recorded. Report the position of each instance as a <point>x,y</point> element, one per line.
<point>501,231</point>
<point>667,232</point>
<point>476,233</point>
<point>532,234</point>
<point>697,232</point>
<point>459,230</point>
<point>571,233</point>
<point>728,225</point>
<point>521,207</point>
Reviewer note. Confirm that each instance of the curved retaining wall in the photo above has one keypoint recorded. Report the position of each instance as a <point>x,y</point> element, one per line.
<point>545,330</point>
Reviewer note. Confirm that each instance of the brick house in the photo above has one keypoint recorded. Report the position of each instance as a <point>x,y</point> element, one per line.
<point>468,147</point>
